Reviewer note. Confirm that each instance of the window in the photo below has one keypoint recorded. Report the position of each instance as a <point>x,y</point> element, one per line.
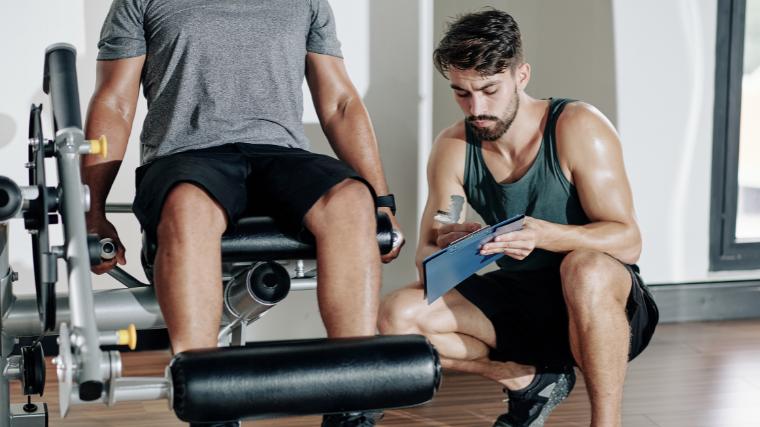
<point>735,209</point>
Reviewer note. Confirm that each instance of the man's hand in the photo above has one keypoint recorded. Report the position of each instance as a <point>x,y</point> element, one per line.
<point>390,256</point>
<point>516,244</point>
<point>449,233</point>
<point>104,229</point>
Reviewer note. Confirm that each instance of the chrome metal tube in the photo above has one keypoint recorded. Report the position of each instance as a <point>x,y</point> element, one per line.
<point>114,309</point>
<point>130,388</point>
<point>256,290</point>
<point>304,284</point>
<point>81,304</point>
<point>141,388</point>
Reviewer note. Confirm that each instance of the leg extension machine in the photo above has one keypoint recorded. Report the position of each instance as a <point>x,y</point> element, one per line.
<point>261,380</point>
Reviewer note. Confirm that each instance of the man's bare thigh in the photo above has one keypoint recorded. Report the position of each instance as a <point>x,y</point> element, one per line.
<point>451,313</point>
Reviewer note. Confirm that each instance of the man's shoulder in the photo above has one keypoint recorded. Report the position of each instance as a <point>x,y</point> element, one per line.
<point>583,132</point>
<point>450,143</point>
<point>581,123</point>
<point>452,138</point>
<point>581,117</point>
<point>455,131</point>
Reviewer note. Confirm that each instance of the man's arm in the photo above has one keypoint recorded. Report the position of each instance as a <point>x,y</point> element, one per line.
<point>110,113</point>
<point>445,173</point>
<point>591,156</point>
<point>346,123</point>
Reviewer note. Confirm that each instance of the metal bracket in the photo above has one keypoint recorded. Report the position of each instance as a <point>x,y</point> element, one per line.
<point>29,415</point>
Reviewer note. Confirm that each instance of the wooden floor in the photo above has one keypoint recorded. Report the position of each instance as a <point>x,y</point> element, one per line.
<point>693,374</point>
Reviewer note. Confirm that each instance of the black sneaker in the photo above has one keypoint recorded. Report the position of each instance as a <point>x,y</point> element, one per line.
<point>352,419</point>
<point>531,406</point>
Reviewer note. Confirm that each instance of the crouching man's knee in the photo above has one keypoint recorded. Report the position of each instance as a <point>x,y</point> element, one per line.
<point>593,280</point>
<point>401,312</point>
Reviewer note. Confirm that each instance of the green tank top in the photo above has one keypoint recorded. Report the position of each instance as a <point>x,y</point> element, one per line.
<point>543,192</point>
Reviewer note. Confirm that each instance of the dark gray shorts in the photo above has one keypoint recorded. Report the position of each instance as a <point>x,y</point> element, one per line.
<point>245,179</point>
<point>529,315</point>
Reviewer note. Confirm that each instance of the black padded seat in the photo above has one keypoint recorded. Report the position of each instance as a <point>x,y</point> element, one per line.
<point>261,239</point>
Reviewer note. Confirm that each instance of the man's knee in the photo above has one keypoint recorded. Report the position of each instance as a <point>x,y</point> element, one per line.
<point>190,212</point>
<point>589,280</point>
<point>348,199</point>
<point>401,312</point>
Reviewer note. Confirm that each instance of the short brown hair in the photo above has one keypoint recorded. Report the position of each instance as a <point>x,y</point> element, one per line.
<point>488,41</point>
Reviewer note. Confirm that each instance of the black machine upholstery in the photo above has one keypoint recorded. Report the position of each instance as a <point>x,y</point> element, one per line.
<point>304,377</point>
<point>262,239</point>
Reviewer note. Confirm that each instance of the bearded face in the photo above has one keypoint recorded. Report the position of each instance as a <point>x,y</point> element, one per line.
<point>489,102</point>
<point>490,128</point>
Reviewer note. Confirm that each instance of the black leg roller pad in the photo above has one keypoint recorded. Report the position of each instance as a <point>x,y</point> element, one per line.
<point>304,377</point>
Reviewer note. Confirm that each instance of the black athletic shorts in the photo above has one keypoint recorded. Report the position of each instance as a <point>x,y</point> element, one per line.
<point>246,180</point>
<point>529,315</point>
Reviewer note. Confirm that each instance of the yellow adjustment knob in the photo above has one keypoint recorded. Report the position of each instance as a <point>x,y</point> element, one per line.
<point>128,336</point>
<point>99,146</point>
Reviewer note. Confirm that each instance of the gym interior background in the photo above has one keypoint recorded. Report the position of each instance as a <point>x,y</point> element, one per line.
<point>650,66</point>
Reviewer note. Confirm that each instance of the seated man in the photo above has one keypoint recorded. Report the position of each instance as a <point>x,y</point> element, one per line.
<point>223,137</point>
<point>567,292</point>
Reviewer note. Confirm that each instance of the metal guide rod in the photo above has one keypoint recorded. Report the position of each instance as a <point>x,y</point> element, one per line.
<point>81,304</point>
<point>113,308</point>
<point>60,82</point>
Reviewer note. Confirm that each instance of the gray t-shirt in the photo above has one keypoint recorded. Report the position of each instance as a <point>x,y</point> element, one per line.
<point>220,71</point>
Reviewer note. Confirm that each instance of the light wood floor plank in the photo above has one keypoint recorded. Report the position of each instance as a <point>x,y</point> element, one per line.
<point>693,374</point>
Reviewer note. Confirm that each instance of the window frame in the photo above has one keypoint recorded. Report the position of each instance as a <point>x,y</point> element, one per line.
<point>725,252</point>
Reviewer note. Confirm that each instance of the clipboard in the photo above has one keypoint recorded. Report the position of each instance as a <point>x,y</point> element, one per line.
<point>448,267</point>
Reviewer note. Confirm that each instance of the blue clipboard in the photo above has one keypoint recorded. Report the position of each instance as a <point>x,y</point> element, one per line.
<point>448,267</point>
